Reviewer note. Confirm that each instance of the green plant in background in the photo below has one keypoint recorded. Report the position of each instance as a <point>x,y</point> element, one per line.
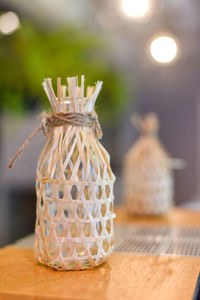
<point>31,54</point>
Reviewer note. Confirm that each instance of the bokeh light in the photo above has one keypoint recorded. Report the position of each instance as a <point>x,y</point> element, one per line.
<point>9,22</point>
<point>136,8</point>
<point>163,49</point>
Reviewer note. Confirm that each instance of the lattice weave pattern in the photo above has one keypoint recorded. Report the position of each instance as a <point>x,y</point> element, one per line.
<point>148,178</point>
<point>74,226</point>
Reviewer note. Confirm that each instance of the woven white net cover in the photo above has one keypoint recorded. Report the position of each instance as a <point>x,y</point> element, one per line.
<point>148,177</point>
<point>74,185</point>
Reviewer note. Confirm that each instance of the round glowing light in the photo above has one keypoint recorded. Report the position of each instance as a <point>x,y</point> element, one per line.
<point>136,8</point>
<point>9,22</point>
<point>163,49</point>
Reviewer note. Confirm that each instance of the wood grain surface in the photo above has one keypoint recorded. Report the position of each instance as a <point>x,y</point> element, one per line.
<point>123,276</point>
<point>175,217</point>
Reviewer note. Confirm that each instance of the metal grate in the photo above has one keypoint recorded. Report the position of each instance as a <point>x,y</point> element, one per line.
<point>158,240</point>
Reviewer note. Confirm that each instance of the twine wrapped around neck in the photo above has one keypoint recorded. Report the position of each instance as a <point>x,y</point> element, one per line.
<point>62,119</point>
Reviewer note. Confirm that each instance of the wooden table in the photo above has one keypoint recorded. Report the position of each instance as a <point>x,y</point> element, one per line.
<point>123,276</point>
<point>178,217</point>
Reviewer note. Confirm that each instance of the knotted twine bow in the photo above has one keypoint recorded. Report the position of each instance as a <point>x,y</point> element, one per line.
<point>62,119</point>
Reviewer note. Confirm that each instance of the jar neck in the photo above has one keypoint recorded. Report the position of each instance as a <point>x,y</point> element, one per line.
<point>67,105</point>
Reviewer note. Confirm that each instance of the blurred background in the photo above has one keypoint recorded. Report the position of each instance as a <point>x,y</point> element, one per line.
<point>147,52</point>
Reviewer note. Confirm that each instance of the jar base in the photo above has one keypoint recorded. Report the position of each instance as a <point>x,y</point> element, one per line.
<point>71,265</point>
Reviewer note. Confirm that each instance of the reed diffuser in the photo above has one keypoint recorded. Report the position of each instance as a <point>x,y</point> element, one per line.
<point>74,181</point>
<point>148,174</point>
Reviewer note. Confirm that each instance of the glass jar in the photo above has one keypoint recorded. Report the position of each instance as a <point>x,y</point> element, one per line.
<point>74,186</point>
